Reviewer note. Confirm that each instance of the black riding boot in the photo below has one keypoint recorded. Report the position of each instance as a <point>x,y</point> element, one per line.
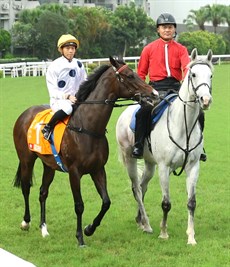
<point>201,119</point>
<point>49,127</point>
<point>141,130</point>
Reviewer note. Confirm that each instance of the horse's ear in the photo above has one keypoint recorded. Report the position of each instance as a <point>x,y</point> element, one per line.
<point>194,54</point>
<point>113,62</point>
<point>209,55</point>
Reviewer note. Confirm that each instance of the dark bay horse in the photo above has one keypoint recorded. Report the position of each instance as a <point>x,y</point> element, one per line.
<point>84,147</point>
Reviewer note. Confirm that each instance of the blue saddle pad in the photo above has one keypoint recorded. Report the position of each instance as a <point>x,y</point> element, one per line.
<point>158,111</point>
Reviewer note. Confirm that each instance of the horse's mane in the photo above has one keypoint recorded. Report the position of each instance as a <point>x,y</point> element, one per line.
<point>89,85</point>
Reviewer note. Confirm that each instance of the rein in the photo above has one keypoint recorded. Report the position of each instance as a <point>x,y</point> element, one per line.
<point>109,102</point>
<point>188,135</point>
<point>103,102</point>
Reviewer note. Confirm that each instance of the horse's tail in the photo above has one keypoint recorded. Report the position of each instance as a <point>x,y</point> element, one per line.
<point>121,156</point>
<point>18,178</point>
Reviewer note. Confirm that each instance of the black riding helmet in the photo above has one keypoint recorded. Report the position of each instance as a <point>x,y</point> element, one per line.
<point>166,18</point>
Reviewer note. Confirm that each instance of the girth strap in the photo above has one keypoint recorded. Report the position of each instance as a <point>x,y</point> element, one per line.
<point>82,130</point>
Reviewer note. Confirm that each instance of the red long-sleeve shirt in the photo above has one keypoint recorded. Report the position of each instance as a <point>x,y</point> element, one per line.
<point>152,60</point>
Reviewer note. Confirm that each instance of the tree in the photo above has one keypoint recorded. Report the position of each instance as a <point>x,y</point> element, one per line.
<point>226,34</point>
<point>49,28</point>
<point>198,16</point>
<point>216,15</point>
<point>37,30</point>
<point>129,27</point>
<point>89,25</point>
<point>5,41</point>
<point>24,37</point>
<point>203,41</point>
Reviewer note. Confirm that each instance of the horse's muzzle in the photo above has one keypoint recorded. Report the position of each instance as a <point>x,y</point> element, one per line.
<point>206,101</point>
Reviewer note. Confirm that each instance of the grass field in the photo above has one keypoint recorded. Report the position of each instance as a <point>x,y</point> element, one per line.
<point>118,242</point>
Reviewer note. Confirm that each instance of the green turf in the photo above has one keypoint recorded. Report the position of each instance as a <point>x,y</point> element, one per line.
<point>117,242</point>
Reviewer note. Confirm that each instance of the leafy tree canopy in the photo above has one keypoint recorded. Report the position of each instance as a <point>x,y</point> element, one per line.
<point>5,40</point>
<point>203,41</point>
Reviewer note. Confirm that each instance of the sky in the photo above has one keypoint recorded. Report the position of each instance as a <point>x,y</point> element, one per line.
<point>179,8</point>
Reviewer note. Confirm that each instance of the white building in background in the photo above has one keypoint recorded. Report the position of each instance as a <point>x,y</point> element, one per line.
<point>9,9</point>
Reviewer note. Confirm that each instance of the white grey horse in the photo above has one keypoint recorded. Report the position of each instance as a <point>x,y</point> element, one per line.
<point>176,142</point>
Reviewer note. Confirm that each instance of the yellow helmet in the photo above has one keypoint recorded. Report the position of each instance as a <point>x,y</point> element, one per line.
<point>67,39</point>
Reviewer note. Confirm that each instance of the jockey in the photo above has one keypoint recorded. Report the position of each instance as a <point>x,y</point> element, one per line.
<point>63,78</point>
<point>165,62</point>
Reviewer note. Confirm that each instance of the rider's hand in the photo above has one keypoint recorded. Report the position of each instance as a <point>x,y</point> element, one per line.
<point>72,98</point>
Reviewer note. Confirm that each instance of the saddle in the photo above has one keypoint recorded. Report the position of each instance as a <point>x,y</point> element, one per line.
<point>35,139</point>
<point>156,112</point>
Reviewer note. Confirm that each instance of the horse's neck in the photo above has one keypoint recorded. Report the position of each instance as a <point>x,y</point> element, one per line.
<point>95,116</point>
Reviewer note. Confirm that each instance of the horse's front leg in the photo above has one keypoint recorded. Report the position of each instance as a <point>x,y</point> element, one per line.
<point>47,178</point>
<point>166,204</point>
<point>192,176</point>
<point>99,179</point>
<point>75,178</point>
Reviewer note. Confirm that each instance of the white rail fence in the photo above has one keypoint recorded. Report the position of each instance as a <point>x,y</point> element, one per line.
<point>39,68</point>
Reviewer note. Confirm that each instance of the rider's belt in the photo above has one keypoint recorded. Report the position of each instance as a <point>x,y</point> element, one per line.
<point>165,84</point>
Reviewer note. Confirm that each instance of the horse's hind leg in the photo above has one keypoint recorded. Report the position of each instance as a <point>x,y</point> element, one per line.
<point>146,177</point>
<point>166,205</point>
<point>142,217</point>
<point>24,179</point>
<point>47,178</point>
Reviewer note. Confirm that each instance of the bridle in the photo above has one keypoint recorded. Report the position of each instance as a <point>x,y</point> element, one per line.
<point>118,72</point>
<point>188,134</point>
<point>195,88</point>
<point>105,102</point>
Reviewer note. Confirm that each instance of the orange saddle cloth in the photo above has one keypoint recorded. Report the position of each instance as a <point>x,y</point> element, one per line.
<point>35,139</point>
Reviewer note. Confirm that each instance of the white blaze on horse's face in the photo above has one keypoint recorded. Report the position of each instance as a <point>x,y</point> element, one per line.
<point>202,81</point>
<point>201,78</point>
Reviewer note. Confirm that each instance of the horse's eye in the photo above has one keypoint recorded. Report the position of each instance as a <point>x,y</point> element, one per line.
<point>211,77</point>
<point>193,75</point>
<point>130,76</point>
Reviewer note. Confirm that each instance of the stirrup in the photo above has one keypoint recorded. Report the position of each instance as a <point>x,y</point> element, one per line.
<point>47,131</point>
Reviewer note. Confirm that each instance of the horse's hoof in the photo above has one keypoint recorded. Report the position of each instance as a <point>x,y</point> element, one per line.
<point>88,230</point>
<point>164,236</point>
<point>148,230</point>
<point>25,226</point>
<point>82,246</point>
<point>44,230</point>
<point>191,242</point>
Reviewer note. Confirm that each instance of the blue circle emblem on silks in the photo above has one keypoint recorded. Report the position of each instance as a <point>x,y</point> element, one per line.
<point>72,73</point>
<point>61,84</point>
